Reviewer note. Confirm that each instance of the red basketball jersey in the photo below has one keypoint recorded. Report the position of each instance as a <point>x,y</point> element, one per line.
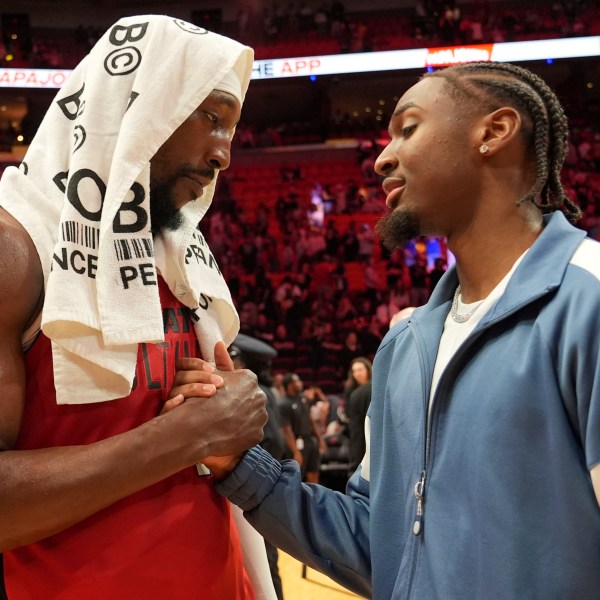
<point>173,540</point>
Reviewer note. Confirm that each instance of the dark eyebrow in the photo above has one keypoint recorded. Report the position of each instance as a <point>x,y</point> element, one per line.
<point>403,108</point>
<point>398,112</point>
<point>225,98</point>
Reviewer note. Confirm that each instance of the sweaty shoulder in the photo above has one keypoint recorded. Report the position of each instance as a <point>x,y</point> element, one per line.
<point>21,277</point>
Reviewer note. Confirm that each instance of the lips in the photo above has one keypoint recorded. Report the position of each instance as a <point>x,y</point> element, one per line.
<point>393,187</point>
<point>199,183</point>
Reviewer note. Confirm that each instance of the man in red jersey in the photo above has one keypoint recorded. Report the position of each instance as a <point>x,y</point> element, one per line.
<point>109,296</point>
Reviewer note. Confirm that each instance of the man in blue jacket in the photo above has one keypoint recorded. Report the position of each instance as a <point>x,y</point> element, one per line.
<point>481,477</point>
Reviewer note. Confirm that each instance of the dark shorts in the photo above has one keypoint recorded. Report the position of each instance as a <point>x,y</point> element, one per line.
<point>310,454</point>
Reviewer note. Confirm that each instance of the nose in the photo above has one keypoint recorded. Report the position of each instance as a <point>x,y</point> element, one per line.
<point>219,153</point>
<point>386,162</point>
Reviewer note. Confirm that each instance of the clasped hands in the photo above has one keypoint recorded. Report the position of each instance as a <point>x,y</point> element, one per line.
<point>236,406</point>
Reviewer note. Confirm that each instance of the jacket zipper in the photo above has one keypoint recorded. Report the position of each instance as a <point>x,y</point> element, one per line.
<point>420,485</point>
<point>419,488</point>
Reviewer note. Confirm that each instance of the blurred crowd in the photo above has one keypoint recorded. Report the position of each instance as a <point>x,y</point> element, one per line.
<point>429,23</point>
<point>305,27</point>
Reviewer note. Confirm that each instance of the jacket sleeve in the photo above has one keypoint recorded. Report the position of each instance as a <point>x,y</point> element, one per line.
<point>323,528</point>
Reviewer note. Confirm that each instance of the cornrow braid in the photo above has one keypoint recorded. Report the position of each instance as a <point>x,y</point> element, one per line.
<point>547,132</point>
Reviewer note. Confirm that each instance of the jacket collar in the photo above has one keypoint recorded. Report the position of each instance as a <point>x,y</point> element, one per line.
<point>541,270</point>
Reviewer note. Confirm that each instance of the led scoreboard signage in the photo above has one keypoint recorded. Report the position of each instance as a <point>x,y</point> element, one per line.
<point>364,62</point>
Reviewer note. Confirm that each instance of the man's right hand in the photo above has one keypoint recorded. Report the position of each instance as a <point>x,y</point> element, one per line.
<point>237,411</point>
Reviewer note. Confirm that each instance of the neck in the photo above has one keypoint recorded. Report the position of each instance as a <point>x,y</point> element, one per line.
<point>486,253</point>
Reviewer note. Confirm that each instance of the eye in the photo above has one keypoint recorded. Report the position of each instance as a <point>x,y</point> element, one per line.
<point>211,117</point>
<point>407,131</point>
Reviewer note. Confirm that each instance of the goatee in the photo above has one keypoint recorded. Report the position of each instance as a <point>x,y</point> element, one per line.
<point>397,228</point>
<point>164,212</point>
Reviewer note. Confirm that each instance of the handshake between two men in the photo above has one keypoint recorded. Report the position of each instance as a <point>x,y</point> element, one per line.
<point>235,417</point>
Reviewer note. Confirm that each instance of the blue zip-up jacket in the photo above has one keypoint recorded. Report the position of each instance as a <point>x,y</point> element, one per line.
<point>508,510</point>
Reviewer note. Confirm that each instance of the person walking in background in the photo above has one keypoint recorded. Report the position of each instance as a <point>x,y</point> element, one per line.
<point>109,296</point>
<point>481,477</point>
<point>301,435</point>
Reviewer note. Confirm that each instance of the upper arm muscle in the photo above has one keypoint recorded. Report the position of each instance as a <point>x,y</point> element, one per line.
<point>21,285</point>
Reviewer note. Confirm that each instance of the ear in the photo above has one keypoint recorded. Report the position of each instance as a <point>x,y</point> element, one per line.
<point>498,130</point>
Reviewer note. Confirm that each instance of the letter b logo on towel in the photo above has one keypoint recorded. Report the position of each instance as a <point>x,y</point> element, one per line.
<point>133,208</point>
<point>120,35</point>
<point>125,60</point>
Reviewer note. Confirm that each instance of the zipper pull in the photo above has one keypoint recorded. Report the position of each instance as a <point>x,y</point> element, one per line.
<point>419,489</point>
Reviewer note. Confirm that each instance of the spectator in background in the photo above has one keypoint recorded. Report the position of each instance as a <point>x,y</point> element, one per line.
<point>351,349</point>
<point>339,279</point>
<point>436,273</point>
<point>366,242</point>
<point>371,281</point>
<point>300,432</point>
<point>345,310</point>
<point>359,372</point>
<point>320,411</point>
<point>337,14</point>
<point>419,281</point>
<point>332,239</point>
<point>320,20</point>
<point>289,172</point>
<point>349,243</point>
<point>386,309</point>
<point>400,294</point>
<point>449,24</point>
<point>285,346</point>
<point>357,405</point>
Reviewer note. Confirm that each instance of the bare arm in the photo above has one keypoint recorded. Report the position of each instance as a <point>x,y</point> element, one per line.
<point>21,287</point>
<point>45,491</point>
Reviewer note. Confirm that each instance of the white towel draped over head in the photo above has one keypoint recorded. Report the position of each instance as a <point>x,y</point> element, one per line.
<point>82,193</point>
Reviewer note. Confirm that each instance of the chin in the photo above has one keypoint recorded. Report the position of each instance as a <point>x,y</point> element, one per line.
<point>398,227</point>
<point>167,222</point>
<point>175,222</point>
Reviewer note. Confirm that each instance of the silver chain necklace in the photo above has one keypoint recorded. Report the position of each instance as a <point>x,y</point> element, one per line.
<point>454,310</point>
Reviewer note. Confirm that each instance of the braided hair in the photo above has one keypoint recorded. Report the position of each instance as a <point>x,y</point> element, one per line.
<point>545,128</point>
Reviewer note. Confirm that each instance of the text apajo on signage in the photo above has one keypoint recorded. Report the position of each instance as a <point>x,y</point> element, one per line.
<point>33,78</point>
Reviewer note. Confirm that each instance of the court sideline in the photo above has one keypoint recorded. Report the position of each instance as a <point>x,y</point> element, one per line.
<point>314,587</point>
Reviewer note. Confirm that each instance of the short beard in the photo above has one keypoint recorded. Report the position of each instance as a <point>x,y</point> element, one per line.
<point>163,212</point>
<point>397,228</point>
